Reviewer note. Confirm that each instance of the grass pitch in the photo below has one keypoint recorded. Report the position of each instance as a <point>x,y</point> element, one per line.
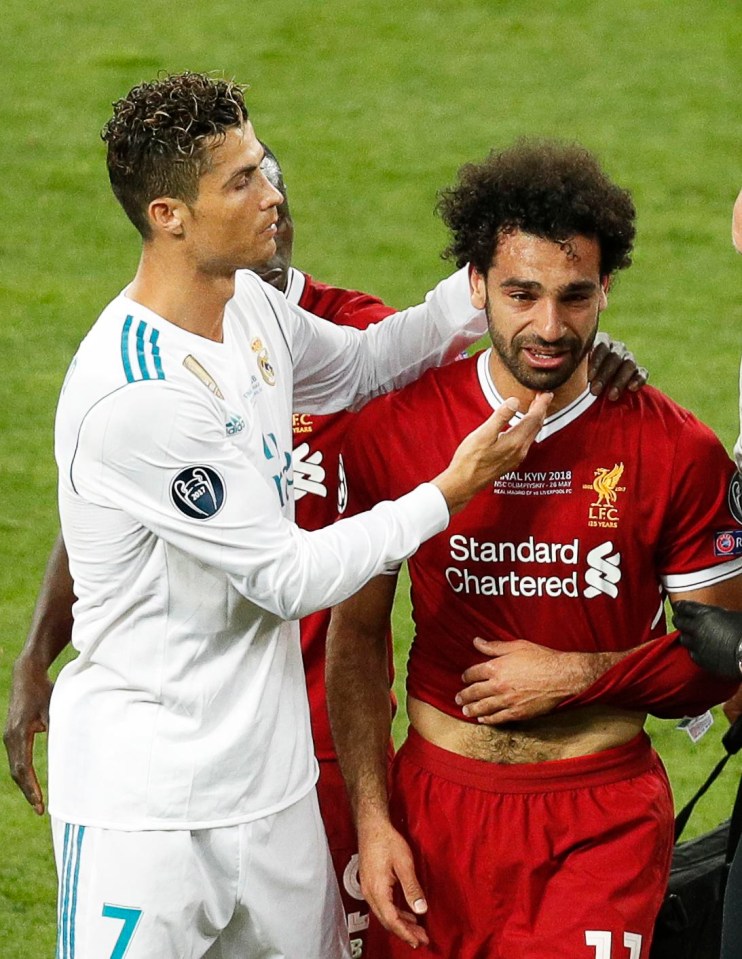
<point>371,107</point>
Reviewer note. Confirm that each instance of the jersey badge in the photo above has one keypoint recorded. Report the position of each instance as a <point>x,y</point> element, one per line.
<point>734,498</point>
<point>193,366</point>
<point>264,364</point>
<point>603,511</point>
<point>198,492</point>
<point>603,573</point>
<point>309,473</point>
<point>728,543</point>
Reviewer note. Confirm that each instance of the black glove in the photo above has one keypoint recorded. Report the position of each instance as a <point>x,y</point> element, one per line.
<point>712,635</point>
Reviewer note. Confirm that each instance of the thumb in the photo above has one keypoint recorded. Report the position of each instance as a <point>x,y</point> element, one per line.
<point>413,892</point>
<point>492,647</point>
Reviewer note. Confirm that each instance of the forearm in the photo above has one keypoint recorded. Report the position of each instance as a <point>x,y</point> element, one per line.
<point>30,692</point>
<point>360,709</point>
<point>658,677</point>
<point>51,622</point>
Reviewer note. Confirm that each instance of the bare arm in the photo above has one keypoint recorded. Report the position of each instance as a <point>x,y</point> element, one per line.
<point>522,680</point>
<point>28,710</point>
<point>360,715</point>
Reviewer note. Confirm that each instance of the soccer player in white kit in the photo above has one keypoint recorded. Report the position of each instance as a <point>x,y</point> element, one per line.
<point>181,774</point>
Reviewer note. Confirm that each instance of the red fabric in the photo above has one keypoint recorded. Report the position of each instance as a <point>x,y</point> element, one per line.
<point>500,885</point>
<point>317,441</point>
<point>659,678</point>
<point>536,557</point>
<point>341,837</point>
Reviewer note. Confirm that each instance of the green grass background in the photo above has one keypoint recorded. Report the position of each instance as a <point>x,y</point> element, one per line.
<point>371,107</point>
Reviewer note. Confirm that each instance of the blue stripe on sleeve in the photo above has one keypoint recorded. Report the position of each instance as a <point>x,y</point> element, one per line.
<point>125,349</point>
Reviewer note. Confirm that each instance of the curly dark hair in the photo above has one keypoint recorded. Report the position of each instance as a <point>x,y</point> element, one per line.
<point>160,138</point>
<point>547,188</point>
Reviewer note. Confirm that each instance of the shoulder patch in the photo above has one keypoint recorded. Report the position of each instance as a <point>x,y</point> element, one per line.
<point>198,492</point>
<point>734,497</point>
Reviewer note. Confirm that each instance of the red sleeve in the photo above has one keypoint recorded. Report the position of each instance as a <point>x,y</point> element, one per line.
<point>700,515</point>
<point>660,678</point>
<point>342,307</point>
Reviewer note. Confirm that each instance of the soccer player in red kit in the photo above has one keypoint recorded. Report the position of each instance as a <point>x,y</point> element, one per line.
<point>317,441</point>
<point>550,837</point>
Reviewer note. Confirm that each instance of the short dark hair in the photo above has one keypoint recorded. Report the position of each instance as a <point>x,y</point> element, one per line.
<point>547,188</point>
<point>160,137</point>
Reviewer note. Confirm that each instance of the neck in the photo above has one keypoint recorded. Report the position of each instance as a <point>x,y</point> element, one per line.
<point>507,385</point>
<point>189,299</point>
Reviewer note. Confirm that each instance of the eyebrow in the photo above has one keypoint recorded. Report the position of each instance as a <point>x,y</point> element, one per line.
<point>247,169</point>
<point>579,286</point>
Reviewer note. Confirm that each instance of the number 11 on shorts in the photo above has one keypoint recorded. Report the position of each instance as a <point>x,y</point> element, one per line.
<point>130,919</point>
<point>602,942</point>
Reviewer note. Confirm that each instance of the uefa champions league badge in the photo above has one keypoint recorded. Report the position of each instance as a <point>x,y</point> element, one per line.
<point>734,498</point>
<point>264,364</point>
<point>198,492</point>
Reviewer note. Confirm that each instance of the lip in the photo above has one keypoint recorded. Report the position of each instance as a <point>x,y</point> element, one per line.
<point>544,360</point>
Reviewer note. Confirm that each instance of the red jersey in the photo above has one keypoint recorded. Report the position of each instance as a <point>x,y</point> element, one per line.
<point>317,441</point>
<point>616,503</point>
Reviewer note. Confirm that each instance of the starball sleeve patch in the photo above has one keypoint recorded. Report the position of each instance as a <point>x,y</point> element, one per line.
<point>734,498</point>
<point>198,492</point>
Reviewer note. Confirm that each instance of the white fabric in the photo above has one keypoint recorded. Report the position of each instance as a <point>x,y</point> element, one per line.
<point>217,893</point>
<point>186,707</point>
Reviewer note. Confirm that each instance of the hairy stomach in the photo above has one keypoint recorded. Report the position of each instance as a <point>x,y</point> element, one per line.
<point>577,732</point>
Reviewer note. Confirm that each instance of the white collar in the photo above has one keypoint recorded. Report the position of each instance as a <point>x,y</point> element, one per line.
<point>295,286</point>
<point>553,423</point>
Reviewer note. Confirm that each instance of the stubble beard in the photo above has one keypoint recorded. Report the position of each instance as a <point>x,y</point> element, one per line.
<point>511,356</point>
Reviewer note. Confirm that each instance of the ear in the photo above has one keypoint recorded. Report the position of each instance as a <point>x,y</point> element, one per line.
<point>477,288</point>
<point>167,215</point>
<point>605,285</point>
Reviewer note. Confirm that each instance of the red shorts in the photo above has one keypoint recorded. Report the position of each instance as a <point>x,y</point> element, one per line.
<point>557,860</point>
<point>341,837</point>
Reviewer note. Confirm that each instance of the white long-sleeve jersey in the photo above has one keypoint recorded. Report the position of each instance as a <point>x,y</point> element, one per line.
<point>186,706</point>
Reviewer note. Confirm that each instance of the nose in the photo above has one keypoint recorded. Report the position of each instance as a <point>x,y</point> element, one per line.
<point>273,196</point>
<point>547,321</point>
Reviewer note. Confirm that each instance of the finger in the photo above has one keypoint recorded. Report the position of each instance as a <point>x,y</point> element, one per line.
<point>480,673</point>
<point>685,614</point>
<point>475,693</point>
<point>533,419</point>
<point>19,747</point>
<point>502,415</point>
<point>639,379</point>
<point>485,704</point>
<point>403,924</point>
<point>493,647</point>
<point>414,929</point>
<point>29,785</point>
<point>412,889</point>
<point>622,377</point>
<point>499,716</point>
<point>605,373</point>
<point>597,355</point>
